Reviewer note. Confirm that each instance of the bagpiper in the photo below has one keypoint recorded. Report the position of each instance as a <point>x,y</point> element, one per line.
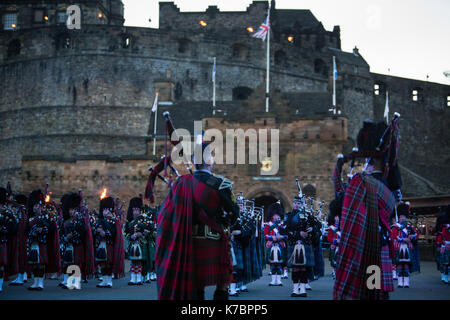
<point>404,236</point>
<point>193,233</point>
<point>109,246</point>
<point>239,241</point>
<point>275,243</point>
<point>8,228</point>
<point>139,231</point>
<point>20,241</point>
<point>43,249</point>
<point>299,228</point>
<point>443,244</point>
<point>367,206</point>
<point>76,239</point>
<point>334,230</point>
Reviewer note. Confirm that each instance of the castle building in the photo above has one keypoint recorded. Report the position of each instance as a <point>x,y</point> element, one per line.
<point>75,104</point>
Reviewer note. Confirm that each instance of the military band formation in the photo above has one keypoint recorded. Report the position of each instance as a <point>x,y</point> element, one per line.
<point>202,235</point>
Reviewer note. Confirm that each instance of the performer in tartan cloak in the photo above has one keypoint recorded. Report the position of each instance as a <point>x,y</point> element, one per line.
<point>76,240</point>
<point>275,243</point>
<point>404,237</point>
<point>109,246</point>
<point>443,244</point>
<point>193,247</point>
<point>299,229</point>
<point>43,249</point>
<point>19,242</point>
<point>248,252</point>
<point>368,204</point>
<point>139,231</point>
<point>8,227</point>
<point>334,230</point>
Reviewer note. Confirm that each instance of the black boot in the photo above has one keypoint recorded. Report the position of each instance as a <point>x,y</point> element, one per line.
<point>220,295</point>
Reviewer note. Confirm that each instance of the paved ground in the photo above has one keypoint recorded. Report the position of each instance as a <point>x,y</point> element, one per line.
<point>424,286</point>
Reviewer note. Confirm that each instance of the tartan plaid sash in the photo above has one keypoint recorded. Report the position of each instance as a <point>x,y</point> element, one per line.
<point>367,202</point>
<point>89,261</point>
<point>174,259</point>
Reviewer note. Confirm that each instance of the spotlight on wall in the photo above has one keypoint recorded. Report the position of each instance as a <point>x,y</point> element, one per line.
<point>100,15</point>
<point>290,39</point>
<point>250,29</point>
<point>203,23</point>
<point>46,18</point>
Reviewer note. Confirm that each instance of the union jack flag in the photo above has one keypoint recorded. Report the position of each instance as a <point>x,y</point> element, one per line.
<point>263,29</point>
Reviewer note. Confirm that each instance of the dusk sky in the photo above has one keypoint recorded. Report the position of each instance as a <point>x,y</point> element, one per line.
<point>409,37</point>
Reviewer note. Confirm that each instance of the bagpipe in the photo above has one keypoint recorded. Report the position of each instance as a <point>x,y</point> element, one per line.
<point>165,162</point>
<point>308,204</point>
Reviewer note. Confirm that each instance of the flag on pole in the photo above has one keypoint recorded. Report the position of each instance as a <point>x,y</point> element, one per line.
<point>214,72</point>
<point>386,108</point>
<point>155,103</point>
<point>335,73</point>
<point>263,29</point>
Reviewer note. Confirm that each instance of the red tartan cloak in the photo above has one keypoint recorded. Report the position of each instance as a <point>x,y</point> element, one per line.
<point>175,258</point>
<point>367,202</point>
<point>118,267</point>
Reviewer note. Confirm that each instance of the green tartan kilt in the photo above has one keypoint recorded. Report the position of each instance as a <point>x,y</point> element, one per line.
<point>444,258</point>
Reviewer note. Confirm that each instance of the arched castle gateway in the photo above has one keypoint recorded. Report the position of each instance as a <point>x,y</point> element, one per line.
<point>75,105</point>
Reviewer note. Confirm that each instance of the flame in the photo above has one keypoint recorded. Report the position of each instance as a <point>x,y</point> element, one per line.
<point>103,195</point>
<point>203,23</point>
<point>250,29</point>
<point>47,198</point>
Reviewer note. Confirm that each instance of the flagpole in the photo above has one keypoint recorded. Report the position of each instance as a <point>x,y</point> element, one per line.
<point>268,63</point>
<point>334,85</point>
<point>214,88</point>
<point>154,131</point>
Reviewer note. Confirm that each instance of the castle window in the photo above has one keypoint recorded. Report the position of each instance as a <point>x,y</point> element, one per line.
<point>126,41</point>
<point>183,45</point>
<point>448,101</point>
<point>240,51</point>
<point>9,21</point>
<point>39,15</point>
<point>280,58</point>
<point>241,93</point>
<point>415,95</point>
<point>62,17</point>
<point>320,67</point>
<point>13,49</point>
<point>165,91</point>
<point>376,89</point>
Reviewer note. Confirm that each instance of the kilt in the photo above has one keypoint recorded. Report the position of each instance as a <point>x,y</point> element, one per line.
<point>78,255</point>
<point>43,254</point>
<point>407,252</point>
<point>309,256</point>
<point>238,254</point>
<point>3,253</point>
<point>387,283</point>
<point>444,258</point>
<point>208,267</point>
<point>109,255</point>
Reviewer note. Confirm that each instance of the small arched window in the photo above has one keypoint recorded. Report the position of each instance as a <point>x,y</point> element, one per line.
<point>241,93</point>
<point>416,94</point>
<point>13,48</point>
<point>240,51</point>
<point>280,58</point>
<point>126,41</point>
